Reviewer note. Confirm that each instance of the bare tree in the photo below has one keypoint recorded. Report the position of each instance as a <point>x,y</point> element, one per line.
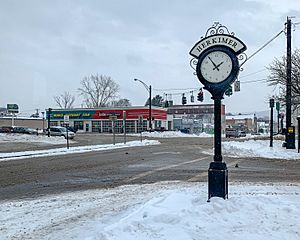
<point>97,90</point>
<point>65,100</point>
<point>278,78</point>
<point>123,102</point>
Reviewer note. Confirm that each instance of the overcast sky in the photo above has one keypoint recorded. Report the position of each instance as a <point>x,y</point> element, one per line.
<point>47,47</point>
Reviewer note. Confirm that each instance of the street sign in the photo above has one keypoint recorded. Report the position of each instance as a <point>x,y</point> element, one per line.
<point>66,119</point>
<point>237,86</point>
<point>141,118</point>
<point>12,108</point>
<point>113,118</point>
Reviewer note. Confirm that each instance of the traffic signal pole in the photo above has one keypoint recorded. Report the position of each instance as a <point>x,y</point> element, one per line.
<point>290,134</point>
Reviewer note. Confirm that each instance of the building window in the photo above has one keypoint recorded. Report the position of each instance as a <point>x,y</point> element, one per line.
<point>106,126</point>
<point>78,125</point>
<point>130,126</point>
<point>96,126</point>
<point>142,127</point>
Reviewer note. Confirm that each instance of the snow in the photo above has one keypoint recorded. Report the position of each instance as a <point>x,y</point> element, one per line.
<point>259,148</point>
<point>168,210</point>
<point>165,210</point>
<point>171,134</point>
<point>72,150</point>
<point>24,138</point>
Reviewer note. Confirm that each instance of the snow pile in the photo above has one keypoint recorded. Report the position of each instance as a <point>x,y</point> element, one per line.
<point>259,148</point>
<point>13,137</point>
<point>171,134</point>
<point>81,149</point>
<point>171,211</point>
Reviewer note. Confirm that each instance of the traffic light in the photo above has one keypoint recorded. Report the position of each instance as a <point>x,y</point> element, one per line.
<point>192,98</point>
<point>228,91</point>
<point>183,99</point>
<point>200,96</point>
<point>166,103</point>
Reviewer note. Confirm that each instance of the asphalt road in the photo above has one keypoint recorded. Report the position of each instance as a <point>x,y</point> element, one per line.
<point>174,159</point>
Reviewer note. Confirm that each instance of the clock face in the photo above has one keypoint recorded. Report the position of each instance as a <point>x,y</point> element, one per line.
<point>216,66</point>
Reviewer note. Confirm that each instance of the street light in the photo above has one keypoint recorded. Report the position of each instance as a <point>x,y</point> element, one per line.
<point>148,88</point>
<point>43,121</point>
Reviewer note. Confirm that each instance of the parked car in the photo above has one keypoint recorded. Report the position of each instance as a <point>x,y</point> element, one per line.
<point>72,129</point>
<point>185,130</point>
<point>5,129</point>
<point>61,131</point>
<point>233,132</point>
<point>160,129</point>
<point>24,130</point>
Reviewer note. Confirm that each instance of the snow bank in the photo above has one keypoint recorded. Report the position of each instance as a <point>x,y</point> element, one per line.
<point>170,210</point>
<point>81,149</point>
<point>13,137</point>
<point>171,134</point>
<point>259,148</point>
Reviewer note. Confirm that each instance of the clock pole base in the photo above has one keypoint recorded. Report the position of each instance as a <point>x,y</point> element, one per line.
<point>217,180</point>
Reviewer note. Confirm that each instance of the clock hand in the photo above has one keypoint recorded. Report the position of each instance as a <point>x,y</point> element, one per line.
<point>215,66</point>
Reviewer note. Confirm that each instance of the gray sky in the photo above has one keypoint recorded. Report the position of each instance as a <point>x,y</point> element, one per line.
<point>47,47</point>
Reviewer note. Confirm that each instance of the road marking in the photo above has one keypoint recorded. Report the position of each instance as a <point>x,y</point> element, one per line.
<point>144,174</point>
<point>204,174</point>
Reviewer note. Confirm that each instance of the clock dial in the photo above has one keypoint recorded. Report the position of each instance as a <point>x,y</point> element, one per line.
<point>216,66</point>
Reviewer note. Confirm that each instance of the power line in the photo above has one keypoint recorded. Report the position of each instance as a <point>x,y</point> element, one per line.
<point>258,80</point>
<point>174,89</point>
<point>261,48</point>
<point>250,74</point>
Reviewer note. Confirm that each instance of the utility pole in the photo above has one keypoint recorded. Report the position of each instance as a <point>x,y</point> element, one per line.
<point>290,131</point>
<point>49,117</point>
<point>150,111</point>
<point>271,121</point>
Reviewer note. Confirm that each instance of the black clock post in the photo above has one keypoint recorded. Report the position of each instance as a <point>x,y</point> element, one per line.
<point>217,67</point>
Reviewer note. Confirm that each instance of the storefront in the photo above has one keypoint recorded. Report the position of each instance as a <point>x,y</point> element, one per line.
<point>194,118</point>
<point>101,119</point>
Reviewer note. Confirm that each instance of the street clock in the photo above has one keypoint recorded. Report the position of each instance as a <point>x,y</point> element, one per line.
<point>216,65</point>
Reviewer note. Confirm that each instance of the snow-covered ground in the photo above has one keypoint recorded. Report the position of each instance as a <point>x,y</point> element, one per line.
<point>42,139</point>
<point>257,148</point>
<point>170,134</point>
<point>170,210</point>
<point>167,210</point>
<point>71,150</point>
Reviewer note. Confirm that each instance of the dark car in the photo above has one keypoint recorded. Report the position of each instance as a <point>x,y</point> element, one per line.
<point>185,130</point>
<point>24,130</point>
<point>72,129</point>
<point>6,129</point>
<point>160,129</point>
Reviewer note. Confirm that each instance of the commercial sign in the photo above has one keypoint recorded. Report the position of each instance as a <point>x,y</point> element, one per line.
<point>12,108</point>
<point>66,119</point>
<point>104,114</point>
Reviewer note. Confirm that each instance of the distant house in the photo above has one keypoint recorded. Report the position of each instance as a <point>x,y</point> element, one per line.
<point>195,118</point>
<point>246,122</point>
